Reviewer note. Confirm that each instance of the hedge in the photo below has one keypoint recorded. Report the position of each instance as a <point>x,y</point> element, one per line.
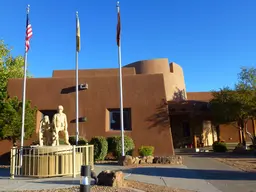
<point>219,146</point>
<point>115,145</point>
<point>100,147</point>
<point>81,140</point>
<point>146,151</point>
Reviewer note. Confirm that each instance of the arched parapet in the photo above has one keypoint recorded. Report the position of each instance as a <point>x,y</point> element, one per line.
<point>152,66</point>
<point>177,69</point>
<point>172,73</point>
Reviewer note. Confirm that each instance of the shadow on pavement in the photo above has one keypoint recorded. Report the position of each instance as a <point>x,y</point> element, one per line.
<point>63,182</point>
<point>192,173</point>
<point>4,173</point>
<point>219,155</point>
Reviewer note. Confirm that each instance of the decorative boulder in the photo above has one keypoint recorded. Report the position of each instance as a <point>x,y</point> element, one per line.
<point>149,159</point>
<point>146,160</point>
<point>126,160</point>
<point>136,160</point>
<point>142,160</point>
<point>172,160</point>
<point>111,178</point>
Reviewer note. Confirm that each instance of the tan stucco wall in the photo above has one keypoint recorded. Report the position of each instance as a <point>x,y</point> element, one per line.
<point>173,75</point>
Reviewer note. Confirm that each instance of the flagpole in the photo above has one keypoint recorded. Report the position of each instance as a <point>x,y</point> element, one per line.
<point>121,85</point>
<point>24,99</point>
<point>77,102</point>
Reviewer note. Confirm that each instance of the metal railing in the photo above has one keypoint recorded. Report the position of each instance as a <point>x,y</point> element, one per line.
<point>50,161</point>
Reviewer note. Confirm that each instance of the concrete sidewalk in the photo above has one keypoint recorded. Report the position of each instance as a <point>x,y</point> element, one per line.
<point>179,177</point>
<point>200,174</point>
<point>166,176</point>
<point>220,175</point>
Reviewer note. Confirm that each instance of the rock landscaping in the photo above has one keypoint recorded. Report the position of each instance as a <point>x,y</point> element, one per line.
<point>245,164</point>
<point>147,160</point>
<point>111,178</point>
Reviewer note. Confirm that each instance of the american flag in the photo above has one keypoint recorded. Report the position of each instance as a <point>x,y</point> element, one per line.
<point>28,33</point>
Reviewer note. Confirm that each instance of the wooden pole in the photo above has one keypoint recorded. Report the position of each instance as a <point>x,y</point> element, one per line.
<point>254,127</point>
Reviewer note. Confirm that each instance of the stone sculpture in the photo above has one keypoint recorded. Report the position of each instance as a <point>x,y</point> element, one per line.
<point>45,132</point>
<point>60,124</point>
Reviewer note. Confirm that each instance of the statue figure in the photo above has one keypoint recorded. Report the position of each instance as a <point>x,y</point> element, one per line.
<point>60,124</point>
<point>45,132</point>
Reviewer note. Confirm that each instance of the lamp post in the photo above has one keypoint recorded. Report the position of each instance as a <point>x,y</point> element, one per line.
<point>84,181</point>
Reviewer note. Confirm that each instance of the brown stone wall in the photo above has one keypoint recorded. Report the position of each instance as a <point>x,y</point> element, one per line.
<point>199,96</point>
<point>142,93</point>
<point>173,75</point>
<point>230,134</point>
<point>93,72</point>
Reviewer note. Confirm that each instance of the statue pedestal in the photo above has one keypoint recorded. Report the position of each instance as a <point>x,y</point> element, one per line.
<point>50,161</point>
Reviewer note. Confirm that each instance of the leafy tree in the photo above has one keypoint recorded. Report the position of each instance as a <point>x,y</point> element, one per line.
<point>11,108</point>
<point>247,79</point>
<point>247,83</point>
<point>236,106</point>
<point>10,119</point>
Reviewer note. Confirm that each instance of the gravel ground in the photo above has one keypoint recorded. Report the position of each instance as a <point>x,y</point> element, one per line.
<point>131,187</point>
<point>245,164</point>
<point>153,188</point>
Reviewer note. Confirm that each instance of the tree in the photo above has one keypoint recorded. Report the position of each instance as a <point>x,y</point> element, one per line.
<point>10,119</point>
<point>236,106</point>
<point>247,79</point>
<point>247,83</point>
<point>10,108</point>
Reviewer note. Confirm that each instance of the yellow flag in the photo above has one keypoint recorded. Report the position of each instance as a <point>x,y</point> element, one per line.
<point>78,43</point>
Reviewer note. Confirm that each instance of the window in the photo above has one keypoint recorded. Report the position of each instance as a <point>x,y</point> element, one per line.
<point>186,129</point>
<point>114,119</point>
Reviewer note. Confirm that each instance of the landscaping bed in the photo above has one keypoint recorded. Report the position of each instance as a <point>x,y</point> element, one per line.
<point>131,187</point>
<point>153,188</point>
<point>247,164</point>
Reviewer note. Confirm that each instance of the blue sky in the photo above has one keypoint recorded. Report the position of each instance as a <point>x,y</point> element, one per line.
<point>210,39</point>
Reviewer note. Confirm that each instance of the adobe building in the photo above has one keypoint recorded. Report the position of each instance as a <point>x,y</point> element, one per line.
<point>157,109</point>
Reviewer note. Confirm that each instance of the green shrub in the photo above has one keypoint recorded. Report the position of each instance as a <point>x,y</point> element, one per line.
<point>252,147</point>
<point>146,151</point>
<point>115,145</point>
<point>111,143</point>
<point>100,147</point>
<point>81,140</point>
<point>72,140</point>
<point>219,146</point>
